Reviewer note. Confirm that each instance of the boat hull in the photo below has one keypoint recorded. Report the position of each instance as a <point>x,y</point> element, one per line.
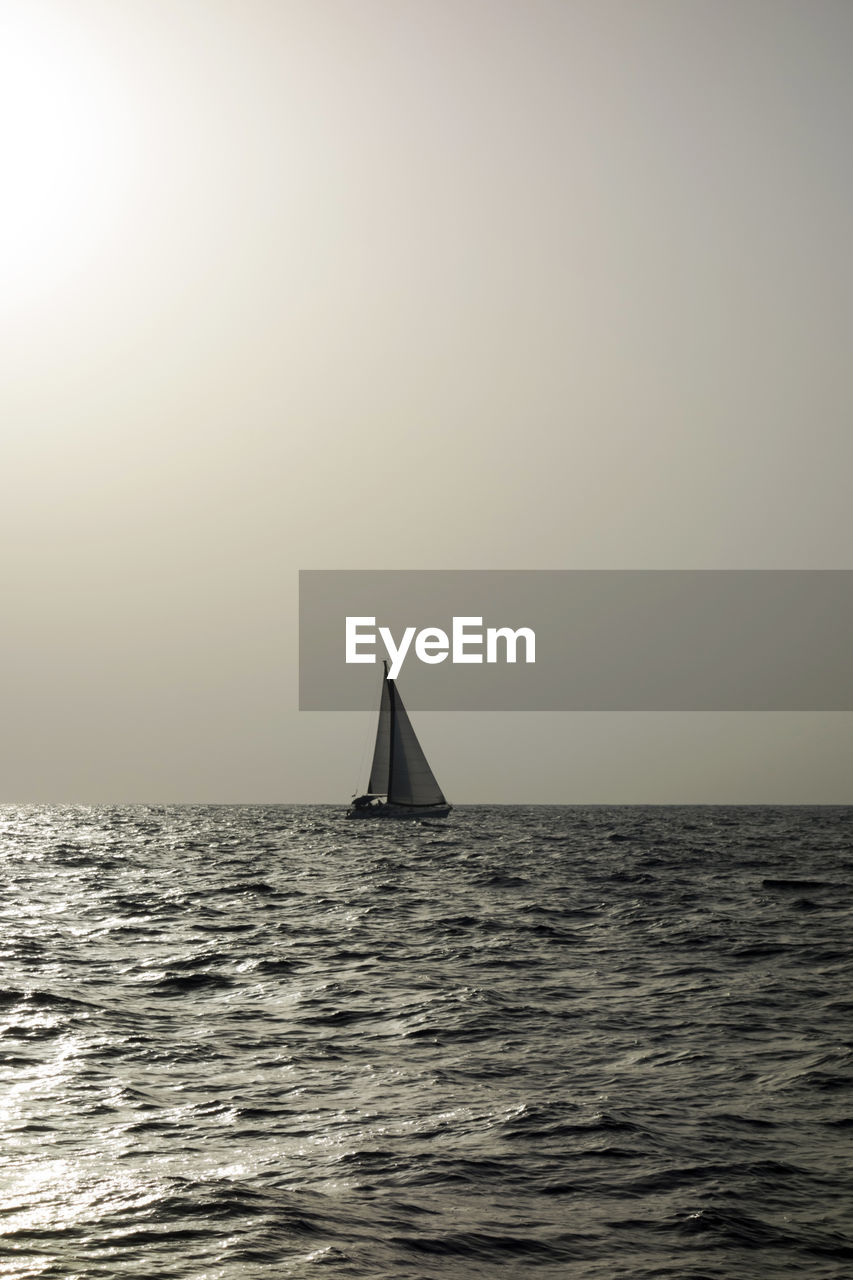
<point>400,811</point>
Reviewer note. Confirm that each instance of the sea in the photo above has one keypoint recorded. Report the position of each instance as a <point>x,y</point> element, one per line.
<point>555,1042</point>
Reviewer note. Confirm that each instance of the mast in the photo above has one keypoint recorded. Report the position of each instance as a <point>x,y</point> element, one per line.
<point>393,705</point>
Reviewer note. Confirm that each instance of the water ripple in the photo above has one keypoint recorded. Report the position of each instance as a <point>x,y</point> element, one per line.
<point>244,1041</point>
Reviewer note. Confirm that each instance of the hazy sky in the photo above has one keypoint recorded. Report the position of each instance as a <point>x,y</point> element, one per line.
<point>390,284</point>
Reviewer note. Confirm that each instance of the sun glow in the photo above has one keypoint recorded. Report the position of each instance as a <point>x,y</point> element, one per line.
<point>64,144</point>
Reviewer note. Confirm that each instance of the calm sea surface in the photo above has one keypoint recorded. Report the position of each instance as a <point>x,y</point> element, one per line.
<point>245,1042</point>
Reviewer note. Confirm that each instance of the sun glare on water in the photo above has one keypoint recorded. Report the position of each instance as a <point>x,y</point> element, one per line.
<point>64,144</point>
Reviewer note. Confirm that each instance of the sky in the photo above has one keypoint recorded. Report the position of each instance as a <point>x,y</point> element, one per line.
<point>406,284</point>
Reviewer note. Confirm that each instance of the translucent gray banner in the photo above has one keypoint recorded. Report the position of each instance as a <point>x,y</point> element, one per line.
<point>603,640</point>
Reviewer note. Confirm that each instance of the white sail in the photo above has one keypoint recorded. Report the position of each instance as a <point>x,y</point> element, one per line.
<point>411,780</point>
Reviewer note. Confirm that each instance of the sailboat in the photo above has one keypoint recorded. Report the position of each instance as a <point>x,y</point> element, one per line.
<point>401,785</point>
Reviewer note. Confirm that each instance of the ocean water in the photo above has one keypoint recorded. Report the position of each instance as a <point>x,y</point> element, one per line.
<point>244,1042</point>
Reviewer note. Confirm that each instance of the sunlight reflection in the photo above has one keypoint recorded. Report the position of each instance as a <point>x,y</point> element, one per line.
<point>63,124</point>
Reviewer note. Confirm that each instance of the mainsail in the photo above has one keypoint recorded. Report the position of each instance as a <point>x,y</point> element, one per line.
<point>400,770</point>
<point>378,783</point>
